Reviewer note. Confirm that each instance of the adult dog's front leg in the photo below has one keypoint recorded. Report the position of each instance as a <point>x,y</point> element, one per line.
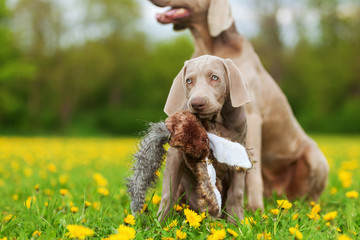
<point>254,181</point>
<point>235,196</point>
<point>172,175</point>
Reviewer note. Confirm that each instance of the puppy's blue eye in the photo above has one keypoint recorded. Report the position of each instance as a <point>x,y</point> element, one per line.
<point>189,80</point>
<point>214,77</point>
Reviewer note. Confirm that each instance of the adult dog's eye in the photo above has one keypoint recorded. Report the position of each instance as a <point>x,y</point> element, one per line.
<point>189,80</point>
<point>214,77</point>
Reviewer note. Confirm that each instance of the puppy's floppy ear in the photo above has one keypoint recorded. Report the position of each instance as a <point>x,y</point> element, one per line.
<point>177,96</point>
<point>239,94</point>
<point>219,17</point>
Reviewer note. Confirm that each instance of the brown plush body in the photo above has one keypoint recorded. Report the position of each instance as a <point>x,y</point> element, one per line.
<point>189,136</point>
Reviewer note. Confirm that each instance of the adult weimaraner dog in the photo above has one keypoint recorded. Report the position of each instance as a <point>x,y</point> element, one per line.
<point>287,160</point>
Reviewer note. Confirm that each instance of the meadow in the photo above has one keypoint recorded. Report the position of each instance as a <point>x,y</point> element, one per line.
<point>61,188</point>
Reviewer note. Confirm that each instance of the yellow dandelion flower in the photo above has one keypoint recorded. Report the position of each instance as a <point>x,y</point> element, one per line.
<point>79,232</point>
<point>8,218</point>
<point>71,203</point>
<point>103,191</point>
<point>203,215</point>
<point>275,211</point>
<point>126,232</point>
<point>171,225</point>
<point>144,208</point>
<point>315,212</point>
<point>192,218</point>
<point>232,232</point>
<point>343,237</point>
<point>167,238</point>
<point>74,209</point>
<point>333,191</point>
<point>51,167</point>
<point>46,204</point>
<point>15,197</point>
<point>285,204</point>
<point>345,178</point>
<point>28,172</point>
<point>129,219</point>
<point>248,221</point>
<point>36,233</point>
<point>63,179</point>
<point>265,235</point>
<point>178,208</point>
<point>87,204</point>
<point>156,199</point>
<point>296,232</point>
<point>37,187</point>
<point>217,234</point>
<point>216,225</point>
<point>184,206</point>
<point>330,216</point>
<point>100,180</point>
<point>295,216</point>
<point>338,229</point>
<point>352,194</point>
<point>180,234</point>
<point>355,233</point>
<point>264,216</point>
<point>48,192</point>
<point>4,238</point>
<point>96,205</point>
<point>30,201</point>
<point>328,224</point>
<point>64,191</point>
<point>312,203</point>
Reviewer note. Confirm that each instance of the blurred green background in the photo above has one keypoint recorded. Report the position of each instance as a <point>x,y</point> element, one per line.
<point>113,78</point>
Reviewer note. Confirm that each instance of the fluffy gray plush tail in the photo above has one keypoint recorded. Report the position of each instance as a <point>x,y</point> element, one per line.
<point>147,161</point>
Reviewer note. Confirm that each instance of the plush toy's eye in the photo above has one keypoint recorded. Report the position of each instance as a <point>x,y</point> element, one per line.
<point>214,77</point>
<point>189,80</point>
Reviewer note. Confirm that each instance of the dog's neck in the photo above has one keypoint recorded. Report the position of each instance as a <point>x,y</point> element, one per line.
<point>229,41</point>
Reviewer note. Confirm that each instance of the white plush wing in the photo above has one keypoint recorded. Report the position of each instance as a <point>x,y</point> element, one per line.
<point>228,152</point>
<point>212,175</point>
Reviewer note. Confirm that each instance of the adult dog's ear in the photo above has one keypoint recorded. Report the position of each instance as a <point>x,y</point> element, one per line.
<point>177,97</point>
<point>239,94</point>
<point>219,17</point>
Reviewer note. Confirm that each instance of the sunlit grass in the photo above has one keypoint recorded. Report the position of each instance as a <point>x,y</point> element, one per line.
<point>47,184</point>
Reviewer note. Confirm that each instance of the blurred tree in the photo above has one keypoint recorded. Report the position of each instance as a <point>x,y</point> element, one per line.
<point>13,75</point>
<point>322,75</point>
<point>268,41</point>
<point>116,78</point>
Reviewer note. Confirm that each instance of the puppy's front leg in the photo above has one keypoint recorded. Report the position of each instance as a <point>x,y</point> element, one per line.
<point>173,173</point>
<point>235,196</point>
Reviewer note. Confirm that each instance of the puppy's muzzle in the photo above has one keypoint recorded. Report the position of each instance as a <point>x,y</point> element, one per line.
<point>198,104</point>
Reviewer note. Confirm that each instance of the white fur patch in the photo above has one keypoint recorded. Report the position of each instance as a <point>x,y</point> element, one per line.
<point>228,152</point>
<point>212,175</point>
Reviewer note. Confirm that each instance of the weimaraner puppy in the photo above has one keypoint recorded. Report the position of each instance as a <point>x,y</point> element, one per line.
<point>287,160</point>
<point>213,89</point>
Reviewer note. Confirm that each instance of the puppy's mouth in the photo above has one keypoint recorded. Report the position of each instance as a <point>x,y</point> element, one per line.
<point>203,115</point>
<point>173,15</point>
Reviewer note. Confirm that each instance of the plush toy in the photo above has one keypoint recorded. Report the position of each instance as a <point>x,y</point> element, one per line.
<point>187,133</point>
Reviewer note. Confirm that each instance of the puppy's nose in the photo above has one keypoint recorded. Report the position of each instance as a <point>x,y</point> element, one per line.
<point>198,103</point>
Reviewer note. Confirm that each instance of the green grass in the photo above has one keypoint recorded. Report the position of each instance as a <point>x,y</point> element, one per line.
<point>70,163</point>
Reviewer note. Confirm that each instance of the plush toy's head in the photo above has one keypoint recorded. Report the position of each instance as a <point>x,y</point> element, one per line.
<point>188,135</point>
